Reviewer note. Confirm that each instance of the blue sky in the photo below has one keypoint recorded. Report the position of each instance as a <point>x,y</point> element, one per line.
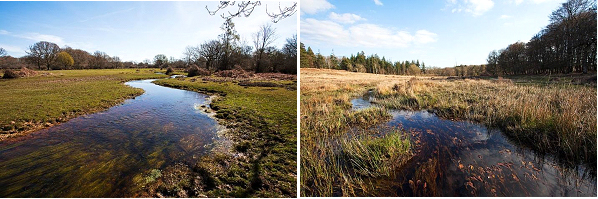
<point>438,32</point>
<point>134,31</point>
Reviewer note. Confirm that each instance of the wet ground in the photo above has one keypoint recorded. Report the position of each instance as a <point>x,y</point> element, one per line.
<point>99,155</point>
<point>461,158</point>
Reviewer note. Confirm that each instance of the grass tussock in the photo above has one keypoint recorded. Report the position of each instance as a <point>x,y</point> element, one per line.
<point>339,156</point>
<point>557,119</point>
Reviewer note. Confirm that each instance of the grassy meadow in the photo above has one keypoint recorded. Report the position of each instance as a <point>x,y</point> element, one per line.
<point>261,116</point>
<point>557,118</point>
<point>32,103</point>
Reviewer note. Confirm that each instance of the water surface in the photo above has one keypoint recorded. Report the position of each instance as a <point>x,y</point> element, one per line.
<point>462,158</point>
<point>98,155</point>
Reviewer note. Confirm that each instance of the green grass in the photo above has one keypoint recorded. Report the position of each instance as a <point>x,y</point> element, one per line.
<point>32,103</point>
<point>263,123</point>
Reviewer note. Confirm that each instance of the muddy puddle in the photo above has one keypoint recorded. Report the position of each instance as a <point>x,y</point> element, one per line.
<point>462,158</point>
<point>103,154</point>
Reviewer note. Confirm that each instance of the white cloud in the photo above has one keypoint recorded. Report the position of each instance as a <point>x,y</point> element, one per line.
<point>41,37</point>
<point>346,18</point>
<point>323,31</point>
<point>377,2</point>
<point>10,48</point>
<point>505,16</point>
<point>4,32</point>
<point>315,6</point>
<point>424,37</point>
<point>475,7</point>
<point>366,35</point>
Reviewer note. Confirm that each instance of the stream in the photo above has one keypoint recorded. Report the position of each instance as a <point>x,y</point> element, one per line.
<point>102,154</point>
<point>463,158</point>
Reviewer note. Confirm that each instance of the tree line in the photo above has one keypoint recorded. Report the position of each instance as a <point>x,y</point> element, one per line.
<point>566,45</point>
<point>228,52</point>
<point>360,63</point>
<point>224,53</point>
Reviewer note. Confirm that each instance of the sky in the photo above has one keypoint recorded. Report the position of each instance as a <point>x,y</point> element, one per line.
<point>133,31</point>
<point>441,33</point>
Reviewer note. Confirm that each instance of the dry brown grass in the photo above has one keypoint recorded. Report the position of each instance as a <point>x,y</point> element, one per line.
<point>333,164</point>
<point>557,119</point>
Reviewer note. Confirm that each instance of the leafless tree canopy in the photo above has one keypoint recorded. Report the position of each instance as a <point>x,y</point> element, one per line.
<point>245,8</point>
<point>44,52</point>
<point>2,52</point>
<point>261,41</point>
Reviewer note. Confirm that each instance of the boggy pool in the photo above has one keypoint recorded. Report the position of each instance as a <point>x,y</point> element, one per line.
<point>100,155</point>
<point>462,158</point>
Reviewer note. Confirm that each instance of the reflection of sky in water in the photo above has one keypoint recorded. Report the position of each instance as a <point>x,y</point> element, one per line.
<point>461,158</point>
<point>362,102</point>
<point>97,155</point>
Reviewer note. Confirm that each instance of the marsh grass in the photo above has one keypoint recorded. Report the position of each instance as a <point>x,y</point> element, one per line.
<point>559,119</point>
<point>339,154</point>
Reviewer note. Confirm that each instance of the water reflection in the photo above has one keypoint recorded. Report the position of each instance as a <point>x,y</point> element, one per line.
<point>362,102</point>
<point>98,155</point>
<point>461,158</point>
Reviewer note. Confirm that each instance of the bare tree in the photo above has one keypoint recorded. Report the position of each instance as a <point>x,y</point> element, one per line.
<point>211,51</point>
<point>81,57</point>
<point>261,41</point>
<point>229,39</point>
<point>2,52</point>
<point>100,60</point>
<point>160,60</point>
<point>44,52</point>
<point>245,8</point>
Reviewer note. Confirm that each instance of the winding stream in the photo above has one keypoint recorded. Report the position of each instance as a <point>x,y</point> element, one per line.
<point>462,158</point>
<point>101,154</point>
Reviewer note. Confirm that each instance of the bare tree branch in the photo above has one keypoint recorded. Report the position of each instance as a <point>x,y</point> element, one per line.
<point>284,12</point>
<point>245,8</point>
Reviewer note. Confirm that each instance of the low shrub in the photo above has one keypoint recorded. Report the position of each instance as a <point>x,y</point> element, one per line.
<point>194,70</point>
<point>235,73</point>
<point>169,70</point>
<point>10,74</point>
<point>25,72</point>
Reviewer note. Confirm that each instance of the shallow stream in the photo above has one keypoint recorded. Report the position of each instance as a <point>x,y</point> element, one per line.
<point>462,158</point>
<point>103,154</point>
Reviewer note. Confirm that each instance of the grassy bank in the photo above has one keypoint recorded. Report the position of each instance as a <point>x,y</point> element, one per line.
<point>555,118</point>
<point>32,103</point>
<point>261,116</point>
<point>332,163</point>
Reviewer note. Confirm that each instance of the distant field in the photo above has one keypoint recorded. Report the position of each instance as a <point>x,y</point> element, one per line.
<point>554,115</point>
<point>51,97</point>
